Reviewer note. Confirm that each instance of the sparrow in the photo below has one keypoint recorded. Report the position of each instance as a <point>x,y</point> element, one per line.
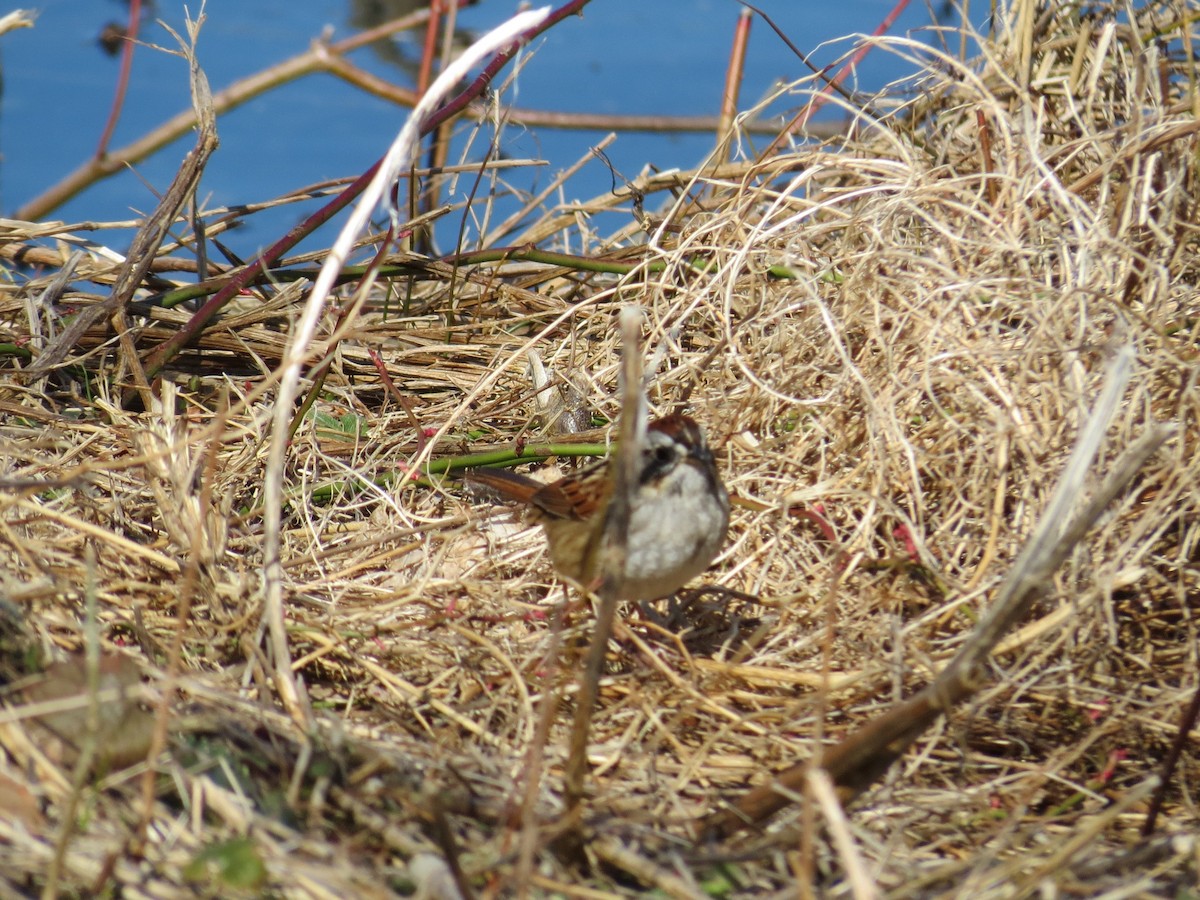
<point>678,517</point>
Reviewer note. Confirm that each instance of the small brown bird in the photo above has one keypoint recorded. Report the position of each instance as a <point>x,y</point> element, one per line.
<point>678,517</point>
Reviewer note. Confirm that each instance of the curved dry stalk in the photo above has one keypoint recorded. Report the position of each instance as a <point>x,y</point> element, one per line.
<point>611,552</point>
<point>399,156</point>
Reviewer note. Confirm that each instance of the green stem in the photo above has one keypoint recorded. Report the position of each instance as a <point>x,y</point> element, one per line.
<point>425,476</point>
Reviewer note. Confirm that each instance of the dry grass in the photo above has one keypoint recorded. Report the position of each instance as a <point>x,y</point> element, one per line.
<point>894,416</point>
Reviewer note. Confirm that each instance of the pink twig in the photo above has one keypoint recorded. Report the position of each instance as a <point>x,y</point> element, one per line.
<point>131,33</point>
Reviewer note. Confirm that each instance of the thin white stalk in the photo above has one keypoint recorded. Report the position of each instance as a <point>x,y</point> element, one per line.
<point>398,158</point>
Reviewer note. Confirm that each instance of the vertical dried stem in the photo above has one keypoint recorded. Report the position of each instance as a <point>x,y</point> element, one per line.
<point>131,33</point>
<point>733,78</point>
<point>395,161</point>
<point>612,550</point>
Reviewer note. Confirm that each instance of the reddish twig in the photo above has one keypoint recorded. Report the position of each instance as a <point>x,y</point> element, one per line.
<point>381,367</point>
<point>733,75</point>
<point>1168,767</point>
<point>429,47</point>
<point>986,161</point>
<point>419,203</point>
<point>135,20</point>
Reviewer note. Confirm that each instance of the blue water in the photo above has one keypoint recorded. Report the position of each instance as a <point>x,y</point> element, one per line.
<point>621,56</point>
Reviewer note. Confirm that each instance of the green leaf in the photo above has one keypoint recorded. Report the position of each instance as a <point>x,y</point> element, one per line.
<point>233,863</point>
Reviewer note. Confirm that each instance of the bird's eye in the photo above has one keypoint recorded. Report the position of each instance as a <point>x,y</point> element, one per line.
<point>657,461</point>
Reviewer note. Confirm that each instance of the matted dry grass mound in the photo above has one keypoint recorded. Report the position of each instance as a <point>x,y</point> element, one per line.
<point>892,341</point>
